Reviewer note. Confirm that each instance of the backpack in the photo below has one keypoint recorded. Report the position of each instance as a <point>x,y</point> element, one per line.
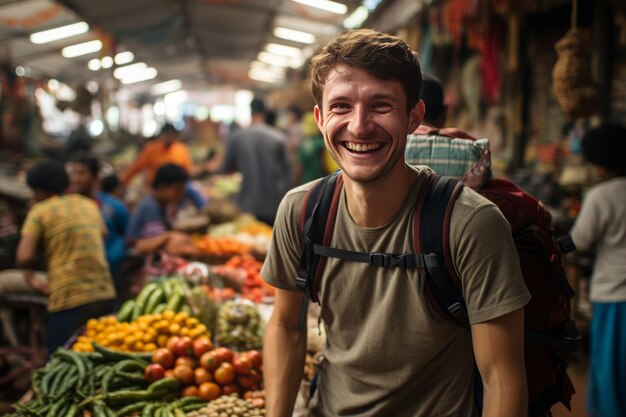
<point>549,331</point>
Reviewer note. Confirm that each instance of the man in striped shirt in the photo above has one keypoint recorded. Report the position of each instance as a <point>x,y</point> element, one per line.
<point>69,231</point>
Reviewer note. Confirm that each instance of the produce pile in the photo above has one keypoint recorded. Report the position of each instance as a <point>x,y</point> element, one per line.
<point>239,325</point>
<point>146,334</point>
<point>245,269</point>
<point>206,372</point>
<point>103,383</point>
<point>231,406</point>
<point>220,246</point>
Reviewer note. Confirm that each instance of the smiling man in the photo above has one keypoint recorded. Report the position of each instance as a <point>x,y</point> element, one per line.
<point>387,353</point>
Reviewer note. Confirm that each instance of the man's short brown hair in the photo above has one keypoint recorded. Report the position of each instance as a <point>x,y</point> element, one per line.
<point>384,56</point>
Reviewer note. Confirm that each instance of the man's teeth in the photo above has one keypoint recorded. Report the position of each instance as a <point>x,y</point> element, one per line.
<point>362,147</point>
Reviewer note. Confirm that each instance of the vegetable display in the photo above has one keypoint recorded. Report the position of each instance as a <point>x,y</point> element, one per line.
<point>103,383</point>
<point>231,406</point>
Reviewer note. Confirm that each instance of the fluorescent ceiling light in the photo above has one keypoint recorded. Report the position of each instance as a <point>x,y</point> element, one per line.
<point>81,49</point>
<point>129,70</point>
<point>294,35</point>
<point>124,58</point>
<point>266,76</point>
<point>94,64</point>
<point>166,87</point>
<point>357,18</point>
<point>275,60</point>
<point>265,67</point>
<point>62,32</point>
<point>329,6</point>
<point>107,62</point>
<point>145,75</point>
<point>284,50</point>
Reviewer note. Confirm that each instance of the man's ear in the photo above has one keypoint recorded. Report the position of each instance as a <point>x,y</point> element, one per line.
<point>319,118</point>
<point>416,114</point>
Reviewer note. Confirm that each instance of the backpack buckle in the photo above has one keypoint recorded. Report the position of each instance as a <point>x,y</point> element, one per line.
<point>301,284</point>
<point>387,260</point>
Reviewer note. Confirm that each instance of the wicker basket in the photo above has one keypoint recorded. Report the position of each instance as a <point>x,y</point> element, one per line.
<point>573,84</point>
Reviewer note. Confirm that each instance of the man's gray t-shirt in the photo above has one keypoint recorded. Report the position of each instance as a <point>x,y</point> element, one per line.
<point>387,352</point>
<point>259,153</point>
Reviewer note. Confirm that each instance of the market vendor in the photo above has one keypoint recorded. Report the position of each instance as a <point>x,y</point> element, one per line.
<point>71,232</point>
<point>150,227</point>
<point>165,149</point>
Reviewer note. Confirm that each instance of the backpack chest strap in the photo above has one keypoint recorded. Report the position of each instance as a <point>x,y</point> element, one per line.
<point>380,259</point>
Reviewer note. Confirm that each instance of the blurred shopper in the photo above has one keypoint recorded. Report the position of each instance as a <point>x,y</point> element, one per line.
<point>150,226</point>
<point>259,153</point>
<point>311,153</point>
<point>84,179</point>
<point>436,114</point>
<point>601,225</point>
<point>387,353</point>
<point>295,133</point>
<point>116,218</point>
<point>71,231</point>
<point>165,149</point>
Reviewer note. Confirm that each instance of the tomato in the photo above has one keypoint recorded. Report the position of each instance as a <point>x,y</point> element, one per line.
<point>190,391</point>
<point>183,347</point>
<point>184,374</point>
<point>164,357</point>
<point>242,365</point>
<point>210,361</point>
<point>224,354</point>
<point>154,372</point>
<point>256,358</point>
<point>247,382</point>
<point>209,391</point>
<point>230,389</point>
<point>171,343</point>
<point>225,374</point>
<point>186,360</point>
<point>170,374</point>
<point>258,378</point>
<point>201,346</point>
<point>201,375</point>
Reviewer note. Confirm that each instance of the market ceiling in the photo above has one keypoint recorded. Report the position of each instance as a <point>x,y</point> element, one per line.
<point>202,43</point>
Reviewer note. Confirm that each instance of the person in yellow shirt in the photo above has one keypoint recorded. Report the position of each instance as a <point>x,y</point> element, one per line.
<point>70,231</point>
<point>166,149</point>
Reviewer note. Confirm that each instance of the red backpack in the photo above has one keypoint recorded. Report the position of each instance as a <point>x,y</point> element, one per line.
<point>549,331</point>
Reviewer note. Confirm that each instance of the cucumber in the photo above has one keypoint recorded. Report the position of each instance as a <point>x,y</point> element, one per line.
<point>131,408</point>
<point>142,299</point>
<point>148,410</point>
<point>127,397</point>
<point>186,401</point>
<point>76,359</point>
<point>167,288</point>
<point>115,355</point>
<point>193,407</point>
<point>131,365</point>
<point>159,309</point>
<point>156,297</point>
<point>126,311</point>
<point>164,385</point>
<point>175,302</point>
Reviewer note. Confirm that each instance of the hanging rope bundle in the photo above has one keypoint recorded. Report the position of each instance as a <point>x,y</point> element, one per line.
<point>572,82</point>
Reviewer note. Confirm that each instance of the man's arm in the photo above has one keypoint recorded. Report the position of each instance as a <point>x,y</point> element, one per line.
<point>24,257</point>
<point>137,166</point>
<point>26,250</point>
<point>499,352</point>
<point>283,355</point>
<point>148,245</point>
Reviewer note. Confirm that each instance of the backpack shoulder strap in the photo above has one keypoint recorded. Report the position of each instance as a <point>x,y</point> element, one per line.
<point>431,234</point>
<point>318,221</point>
